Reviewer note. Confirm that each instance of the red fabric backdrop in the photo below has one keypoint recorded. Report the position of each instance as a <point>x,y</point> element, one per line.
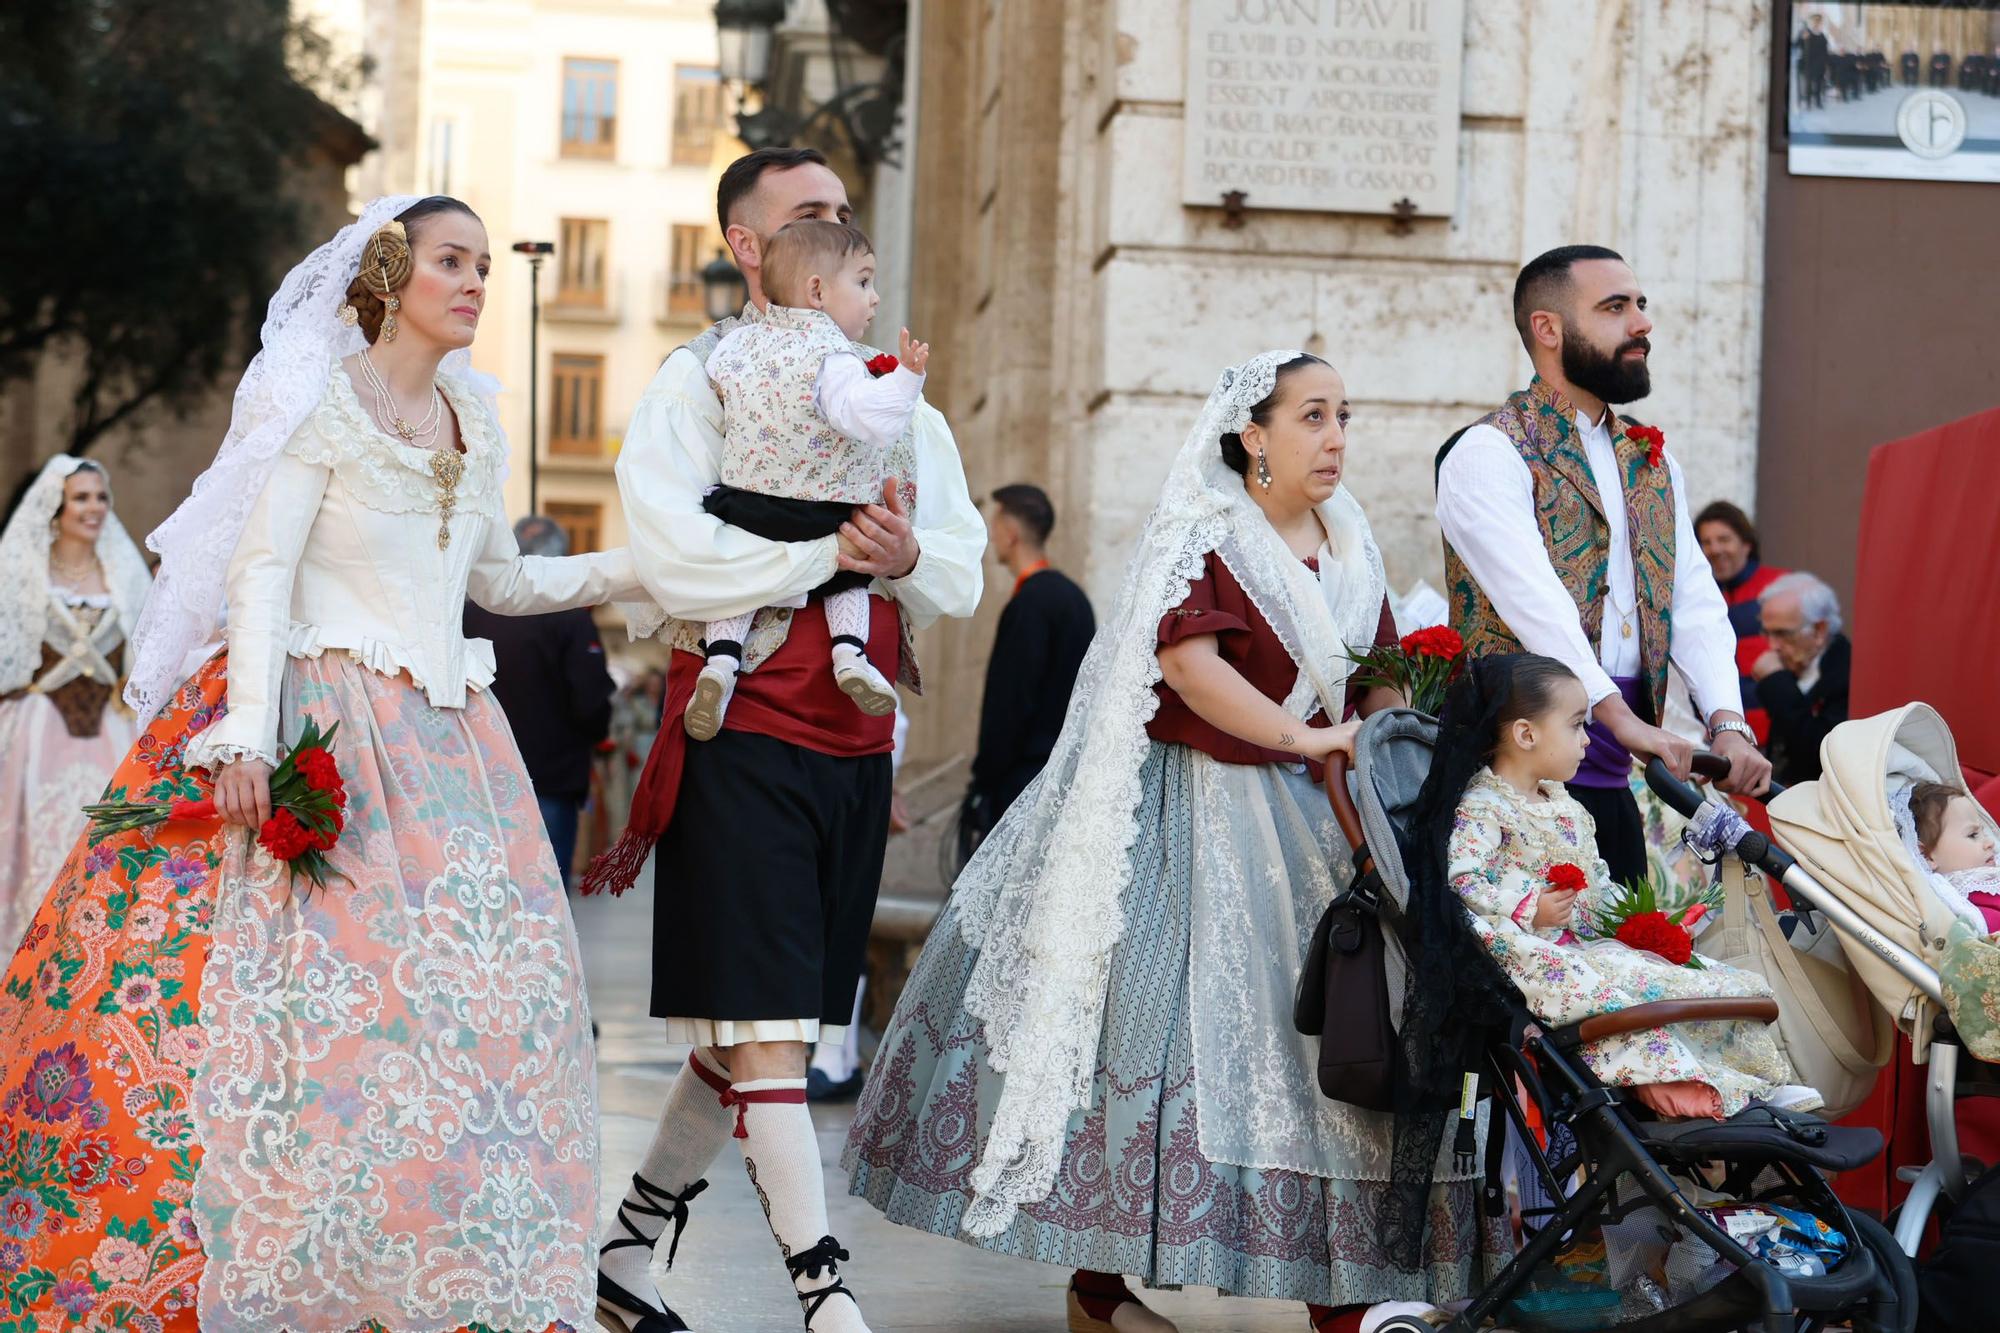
<point>1926,625</point>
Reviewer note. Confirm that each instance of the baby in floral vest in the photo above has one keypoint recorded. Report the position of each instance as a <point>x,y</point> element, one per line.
<point>807,427</point>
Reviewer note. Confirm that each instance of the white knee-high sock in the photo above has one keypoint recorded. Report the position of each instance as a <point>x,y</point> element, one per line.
<point>781,1155</point>
<point>694,1125</point>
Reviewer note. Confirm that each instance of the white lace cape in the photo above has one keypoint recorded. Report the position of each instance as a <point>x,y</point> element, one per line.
<point>1041,899</point>
<point>24,572</point>
<point>302,340</point>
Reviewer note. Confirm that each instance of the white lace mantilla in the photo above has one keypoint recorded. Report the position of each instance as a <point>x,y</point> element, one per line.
<point>1042,899</point>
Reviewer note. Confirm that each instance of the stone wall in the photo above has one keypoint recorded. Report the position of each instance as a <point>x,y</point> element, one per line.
<point>1081,312</point>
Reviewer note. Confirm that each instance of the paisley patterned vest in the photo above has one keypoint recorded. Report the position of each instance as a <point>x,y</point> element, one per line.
<point>775,441</point>
<point>1540,423</point>
<point>772,625</point>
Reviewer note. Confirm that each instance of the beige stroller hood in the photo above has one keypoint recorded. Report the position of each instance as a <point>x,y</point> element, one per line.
<point>1842,832</point>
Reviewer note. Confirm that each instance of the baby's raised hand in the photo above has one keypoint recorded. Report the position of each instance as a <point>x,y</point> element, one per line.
<point>1554,909</point>
<point>915,355</point>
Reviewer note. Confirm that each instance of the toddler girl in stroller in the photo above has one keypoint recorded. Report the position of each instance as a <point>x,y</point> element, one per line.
<point>1523,858</point>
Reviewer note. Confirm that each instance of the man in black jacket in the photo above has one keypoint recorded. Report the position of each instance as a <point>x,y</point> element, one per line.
<point>550,681</point>
<point>1802,679</point>
<point>1044,630</point>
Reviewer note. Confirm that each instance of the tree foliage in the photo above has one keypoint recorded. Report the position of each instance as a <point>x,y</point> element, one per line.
<point>144,151</point>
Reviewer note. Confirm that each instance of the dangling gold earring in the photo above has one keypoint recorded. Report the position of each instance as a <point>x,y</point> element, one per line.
<point>393,304</point>
<point>1263,472</point>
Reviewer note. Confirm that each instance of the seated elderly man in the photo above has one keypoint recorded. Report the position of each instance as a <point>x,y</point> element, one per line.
<point>1802,679</point>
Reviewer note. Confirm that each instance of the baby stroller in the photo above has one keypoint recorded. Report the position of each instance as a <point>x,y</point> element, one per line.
<point>1854,866</point>
<point>1610,1168</point>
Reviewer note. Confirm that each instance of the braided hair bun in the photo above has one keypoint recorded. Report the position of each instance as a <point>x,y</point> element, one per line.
<point>387,262</point>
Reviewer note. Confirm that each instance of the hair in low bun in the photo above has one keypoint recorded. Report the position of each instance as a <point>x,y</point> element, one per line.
<point>387,261</point>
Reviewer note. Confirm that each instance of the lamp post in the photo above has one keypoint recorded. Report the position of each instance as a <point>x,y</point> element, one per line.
<point>866,112</point>
<point>536,251</point>
<point>724,289</point>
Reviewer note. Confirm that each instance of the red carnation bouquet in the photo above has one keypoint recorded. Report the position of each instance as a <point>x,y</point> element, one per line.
<point>882,363</point>
<point>1422,664</point>
<point>308,801</point>
<point>1642,917</point>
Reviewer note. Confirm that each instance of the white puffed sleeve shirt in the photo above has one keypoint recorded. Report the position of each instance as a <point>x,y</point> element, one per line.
<point>341,553</point>
<point>1486,507</point>
<point>695,567</point>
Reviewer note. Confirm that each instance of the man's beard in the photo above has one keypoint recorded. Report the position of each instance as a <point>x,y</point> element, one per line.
<point>1611,378</point>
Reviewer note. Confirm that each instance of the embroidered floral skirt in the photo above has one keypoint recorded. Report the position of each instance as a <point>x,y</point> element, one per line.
<point>368,1106</point>
<point>47,776</point>
<point>1134,1193</point>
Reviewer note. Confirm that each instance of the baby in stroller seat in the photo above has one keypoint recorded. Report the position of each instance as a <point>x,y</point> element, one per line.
<point>1523,857</point>
<point>1956,846</point>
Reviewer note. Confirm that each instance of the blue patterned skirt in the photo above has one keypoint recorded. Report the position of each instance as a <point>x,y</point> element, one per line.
<point>1134,1193</point>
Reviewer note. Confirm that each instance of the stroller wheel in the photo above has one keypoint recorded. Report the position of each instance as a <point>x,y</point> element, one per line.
<point>1403,1323</point>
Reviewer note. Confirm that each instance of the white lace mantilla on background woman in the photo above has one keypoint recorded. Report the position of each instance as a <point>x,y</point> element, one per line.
<point>62,730</point>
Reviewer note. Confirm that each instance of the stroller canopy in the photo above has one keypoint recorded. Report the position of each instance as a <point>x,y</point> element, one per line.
<point>1842,831</point>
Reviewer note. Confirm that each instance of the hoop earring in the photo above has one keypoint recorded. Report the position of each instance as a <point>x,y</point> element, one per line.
<point>1263,472</point>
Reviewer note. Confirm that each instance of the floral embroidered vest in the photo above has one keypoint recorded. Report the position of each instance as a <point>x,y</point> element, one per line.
<point>1570,512</point>
<point>771,626</point>
<point>775,440</point>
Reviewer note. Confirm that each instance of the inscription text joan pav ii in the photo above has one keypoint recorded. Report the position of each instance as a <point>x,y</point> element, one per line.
<point>1343,106</point>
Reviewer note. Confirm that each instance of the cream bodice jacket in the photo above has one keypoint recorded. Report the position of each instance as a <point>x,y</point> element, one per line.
<point>341,554</point>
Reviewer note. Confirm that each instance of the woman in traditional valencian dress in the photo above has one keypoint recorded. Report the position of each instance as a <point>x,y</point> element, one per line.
<point>236,1101</point>
<point>71,585</point>
<point>1094,1062</point>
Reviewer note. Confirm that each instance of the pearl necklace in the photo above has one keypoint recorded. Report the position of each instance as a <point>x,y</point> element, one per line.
<point>71,575</point>
<point>424,433</point>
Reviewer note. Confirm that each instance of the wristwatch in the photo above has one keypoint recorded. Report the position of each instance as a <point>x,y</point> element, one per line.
<point>1740,728</point>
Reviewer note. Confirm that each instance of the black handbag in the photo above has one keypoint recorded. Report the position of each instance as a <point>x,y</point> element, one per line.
<point>1343,999</point>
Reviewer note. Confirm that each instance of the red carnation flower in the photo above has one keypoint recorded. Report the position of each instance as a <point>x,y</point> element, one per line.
<point>1653,438</point>
<point>1655,933</point>
<point>190,811</point>
<point>1566,877</point>
<point>316,766</point>
<point>284,837</point>
<point>1435,641</point>
<point>881,364</point>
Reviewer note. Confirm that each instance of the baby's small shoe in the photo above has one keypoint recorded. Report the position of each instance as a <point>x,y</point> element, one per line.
<point>860,681</point>
<point>710,703</point>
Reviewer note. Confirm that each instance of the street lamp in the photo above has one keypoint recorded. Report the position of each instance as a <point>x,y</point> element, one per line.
<point>723,289</point>
<point>743,31</point>
<point>536,251</point>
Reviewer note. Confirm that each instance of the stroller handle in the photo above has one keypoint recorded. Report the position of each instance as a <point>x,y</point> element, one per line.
<point>1344,812</point>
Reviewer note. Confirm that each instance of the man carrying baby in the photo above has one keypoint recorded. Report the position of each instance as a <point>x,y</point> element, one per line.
<point>770,834</point>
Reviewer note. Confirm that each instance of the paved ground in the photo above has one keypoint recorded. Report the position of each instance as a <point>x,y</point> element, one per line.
<point>728,1278</point>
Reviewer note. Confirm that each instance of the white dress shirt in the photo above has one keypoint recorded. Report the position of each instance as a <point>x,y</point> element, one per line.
<point>697,568</point>
<point>1486,506</point>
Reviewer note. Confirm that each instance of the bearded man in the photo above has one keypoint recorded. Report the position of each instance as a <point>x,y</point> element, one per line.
<point>1567,533</point>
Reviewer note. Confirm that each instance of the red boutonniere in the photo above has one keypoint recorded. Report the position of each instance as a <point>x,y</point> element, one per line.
<point>1566,878</point>
<point>1653,438</point>
<point>881,364</point>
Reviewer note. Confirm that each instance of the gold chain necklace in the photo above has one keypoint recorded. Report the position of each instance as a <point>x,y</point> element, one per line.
<point>72,574</point>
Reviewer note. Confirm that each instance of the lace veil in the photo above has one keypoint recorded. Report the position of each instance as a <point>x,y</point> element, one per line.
<point>1041,899</point>
<point>302,338</point>
<point>24,572</point>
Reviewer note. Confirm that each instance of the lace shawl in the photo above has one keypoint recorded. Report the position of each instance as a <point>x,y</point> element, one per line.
<point>1041,899</point>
